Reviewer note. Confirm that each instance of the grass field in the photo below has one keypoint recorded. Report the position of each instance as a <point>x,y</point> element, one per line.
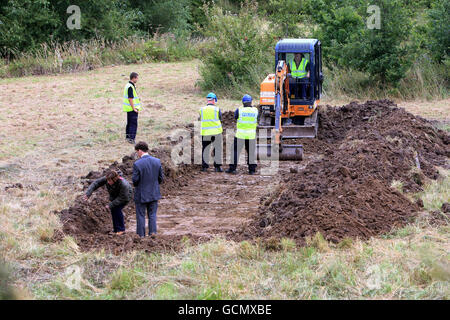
<point>55,129</point>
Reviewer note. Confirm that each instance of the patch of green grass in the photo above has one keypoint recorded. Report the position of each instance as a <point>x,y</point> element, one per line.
<point>213,292</point>
<point>166,291</point>
<point>126,280</point>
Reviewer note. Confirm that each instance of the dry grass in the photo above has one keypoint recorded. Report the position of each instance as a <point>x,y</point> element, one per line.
<point>64,126</point>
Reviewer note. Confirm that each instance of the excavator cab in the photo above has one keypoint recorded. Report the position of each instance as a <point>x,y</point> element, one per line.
<point>289,99</point>
<point>299,87</point>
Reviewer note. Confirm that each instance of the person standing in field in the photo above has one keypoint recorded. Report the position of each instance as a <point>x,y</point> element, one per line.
<point>211,132</point>
<point>147,176</point>
<point>247,122</point>
<point>120,193</point>
<point>132,106</point>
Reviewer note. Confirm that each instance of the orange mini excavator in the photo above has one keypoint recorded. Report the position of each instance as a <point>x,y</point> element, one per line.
<point>288,101</point>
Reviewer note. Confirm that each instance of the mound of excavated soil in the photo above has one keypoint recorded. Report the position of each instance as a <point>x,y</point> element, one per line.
<point>347,192</point>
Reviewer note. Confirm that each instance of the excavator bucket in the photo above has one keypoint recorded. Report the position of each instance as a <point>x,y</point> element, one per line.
<point>299,132</point>
<point>291,152</point>
<point>286,152</point>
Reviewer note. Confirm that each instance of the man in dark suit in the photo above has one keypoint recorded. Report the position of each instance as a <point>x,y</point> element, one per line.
<point>147,176</point>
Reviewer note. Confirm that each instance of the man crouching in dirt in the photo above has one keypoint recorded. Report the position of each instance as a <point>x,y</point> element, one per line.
<point>120,193</point>
<point>147,176</point>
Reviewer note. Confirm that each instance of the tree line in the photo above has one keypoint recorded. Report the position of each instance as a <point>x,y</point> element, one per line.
<point>242,33</point>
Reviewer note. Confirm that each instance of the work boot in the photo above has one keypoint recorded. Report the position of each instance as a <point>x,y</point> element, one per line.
<point>218,169</point>
<point>231,171</point>
<point>252,172</point>
<point>131,141</point>
<point>204,169</point>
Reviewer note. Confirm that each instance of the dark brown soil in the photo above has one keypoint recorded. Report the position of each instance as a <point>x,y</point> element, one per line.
<point>90,222</point>
<point>437,218</point>
<point>347,193</point>
<point>342,189</point>
<point>446,207</point>
<point>228,121</point>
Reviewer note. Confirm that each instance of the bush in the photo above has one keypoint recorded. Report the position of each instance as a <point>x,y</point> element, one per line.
<point>25,24</point>
<point>239,53</point>
<point>163,15</point>
<point>438,34</point>
<point>385,53</point>
<point>285,16</point>
<point>338,32</point>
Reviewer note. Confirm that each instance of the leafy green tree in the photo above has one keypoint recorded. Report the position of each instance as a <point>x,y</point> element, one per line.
<point>439,29</point>
<point>198,17</point>
<point>163,15</point>
<point>105,19</point>
<point>385,53</point>
<point>25,24</point>
<point>239,53</point>
<point>339,30</point>
<point>286,15</point>
<point>348,42</point>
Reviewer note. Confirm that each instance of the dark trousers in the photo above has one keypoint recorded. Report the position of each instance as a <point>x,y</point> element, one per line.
<point>132,124</point>
<point>141,209</point>
<point>303,90</point>
<point>117,218</point>
<point>250,149</point>
<point>298,89</point>
<point>216,142</point>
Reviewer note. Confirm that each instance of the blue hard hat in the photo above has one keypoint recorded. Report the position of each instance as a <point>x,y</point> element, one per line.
<point>211,96</point>
<point>246,98</point>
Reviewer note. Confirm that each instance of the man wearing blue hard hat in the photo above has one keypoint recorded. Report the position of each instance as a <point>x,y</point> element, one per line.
<point>247,118</point>
<point>211,131</point>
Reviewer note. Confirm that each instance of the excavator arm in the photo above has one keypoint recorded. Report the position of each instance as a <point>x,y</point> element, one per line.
<point>284,151</point>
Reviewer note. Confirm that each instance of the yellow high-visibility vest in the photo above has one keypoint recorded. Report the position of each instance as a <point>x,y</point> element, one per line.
<point>247,123</point>
<point>299,72</point>
<point>126,103</point>
<point>209,117</point>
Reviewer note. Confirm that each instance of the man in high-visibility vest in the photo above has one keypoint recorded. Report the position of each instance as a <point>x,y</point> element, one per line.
<point>247,117</point>
<point>299,68</point>
<point>132,106</point>
<point>211,131</point>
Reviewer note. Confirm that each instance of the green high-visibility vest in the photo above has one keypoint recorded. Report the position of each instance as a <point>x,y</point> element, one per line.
<point>126,103</point>
<point>299,72</point>
<point>209,117</point>
<point>247,123</point>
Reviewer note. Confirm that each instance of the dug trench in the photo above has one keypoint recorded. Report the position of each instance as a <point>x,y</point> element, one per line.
<point>343,187</point>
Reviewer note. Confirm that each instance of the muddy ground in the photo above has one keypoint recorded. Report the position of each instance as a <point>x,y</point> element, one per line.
<point>341,189</point>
